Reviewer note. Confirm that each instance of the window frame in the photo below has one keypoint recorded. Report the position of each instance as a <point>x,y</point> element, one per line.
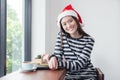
<point>2,37</point>
<point>27,33</point>
<point>28,24</point>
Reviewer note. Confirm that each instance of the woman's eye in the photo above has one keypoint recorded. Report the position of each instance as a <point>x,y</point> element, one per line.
<point>64,24</point>
<point>70,20</point>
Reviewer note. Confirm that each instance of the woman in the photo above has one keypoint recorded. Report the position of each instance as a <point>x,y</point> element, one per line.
<point>73,47</point>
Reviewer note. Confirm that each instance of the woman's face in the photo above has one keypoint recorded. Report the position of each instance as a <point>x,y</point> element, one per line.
<point>69,25</point>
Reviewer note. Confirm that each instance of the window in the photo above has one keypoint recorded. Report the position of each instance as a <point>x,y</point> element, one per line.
<point>15,34</point>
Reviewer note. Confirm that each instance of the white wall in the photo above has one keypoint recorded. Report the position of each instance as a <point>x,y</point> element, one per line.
<point>101,19</point>
<point>38,27</point>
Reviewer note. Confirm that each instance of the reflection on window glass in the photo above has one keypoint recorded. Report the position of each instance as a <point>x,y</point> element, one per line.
<point>15,35</point>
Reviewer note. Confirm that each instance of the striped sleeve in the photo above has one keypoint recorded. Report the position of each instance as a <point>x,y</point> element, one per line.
<point>80,59</point>
<point>58,50</point>
<point>83,57</point>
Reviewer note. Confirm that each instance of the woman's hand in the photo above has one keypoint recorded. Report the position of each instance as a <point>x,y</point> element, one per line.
<point>52,63</point>
<point>45,58</point>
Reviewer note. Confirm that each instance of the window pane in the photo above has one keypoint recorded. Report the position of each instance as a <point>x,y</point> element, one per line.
<point>15,35</point>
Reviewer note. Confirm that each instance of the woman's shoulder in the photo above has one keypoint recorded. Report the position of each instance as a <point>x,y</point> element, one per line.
<point>89,38</point>
<point>61,34</point>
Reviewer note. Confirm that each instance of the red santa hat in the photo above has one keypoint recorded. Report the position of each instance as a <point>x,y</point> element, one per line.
<point>69,11</point>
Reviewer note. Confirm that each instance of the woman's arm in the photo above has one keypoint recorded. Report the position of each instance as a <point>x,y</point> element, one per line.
<point>83,58</point>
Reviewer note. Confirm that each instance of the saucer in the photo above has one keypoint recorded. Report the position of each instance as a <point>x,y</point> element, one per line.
<point>28,69</point>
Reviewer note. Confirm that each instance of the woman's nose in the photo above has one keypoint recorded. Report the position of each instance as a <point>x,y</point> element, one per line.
<point>68,25</point>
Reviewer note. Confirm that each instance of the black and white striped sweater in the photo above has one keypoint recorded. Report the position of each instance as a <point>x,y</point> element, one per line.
<point>76,52</point>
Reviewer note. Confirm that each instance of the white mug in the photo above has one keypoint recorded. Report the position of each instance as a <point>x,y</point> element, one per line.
<point>27,66</point>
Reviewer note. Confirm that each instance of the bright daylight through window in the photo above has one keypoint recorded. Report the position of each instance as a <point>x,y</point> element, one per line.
<point>15,35</point>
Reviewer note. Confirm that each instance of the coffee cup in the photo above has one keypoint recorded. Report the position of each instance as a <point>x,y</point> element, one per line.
<point>27,66</point>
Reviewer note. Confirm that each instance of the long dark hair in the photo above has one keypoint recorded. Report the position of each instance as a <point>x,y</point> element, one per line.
<point>80,30</point>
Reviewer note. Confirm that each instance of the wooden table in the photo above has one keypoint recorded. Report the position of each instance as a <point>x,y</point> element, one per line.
<point>36,75</point>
